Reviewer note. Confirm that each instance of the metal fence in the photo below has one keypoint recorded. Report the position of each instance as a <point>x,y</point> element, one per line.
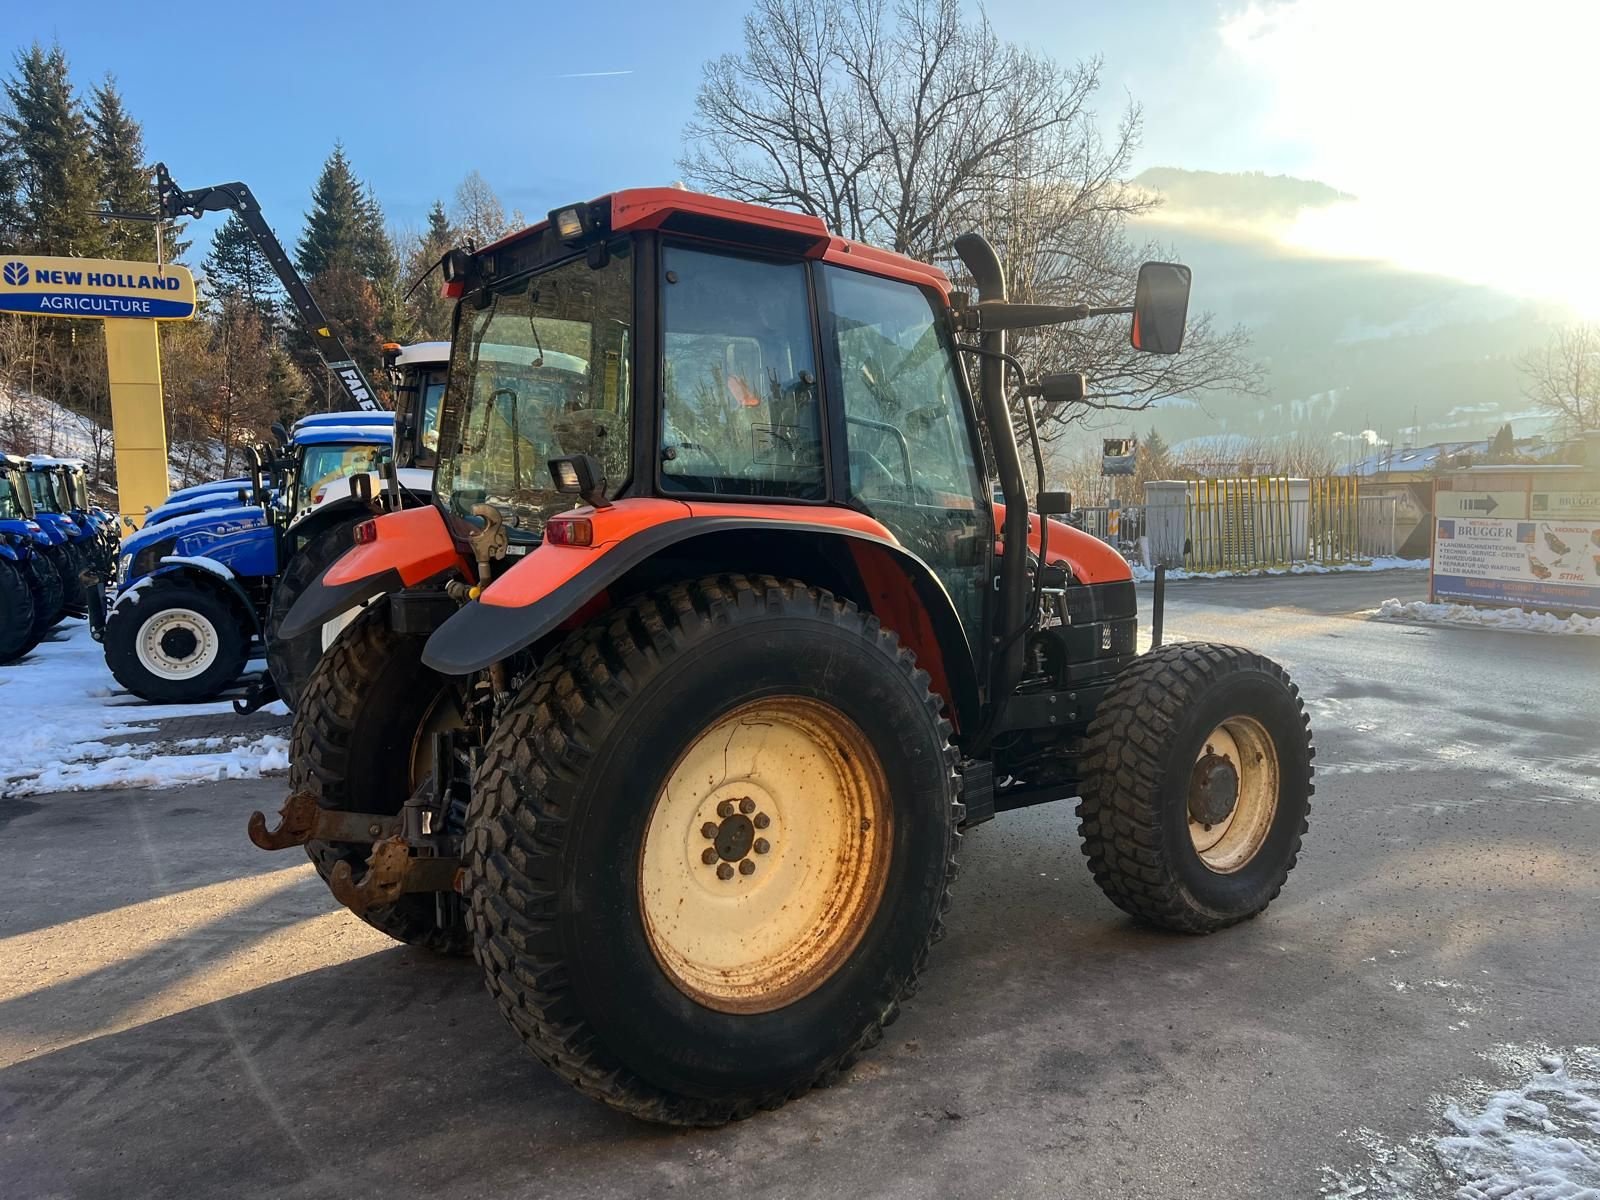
<point>1257,523</point>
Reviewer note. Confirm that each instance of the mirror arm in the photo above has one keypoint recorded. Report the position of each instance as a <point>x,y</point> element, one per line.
<point>991,316</point>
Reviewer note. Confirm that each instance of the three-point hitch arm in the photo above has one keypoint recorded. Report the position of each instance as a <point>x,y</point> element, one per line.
<point>175,203</point>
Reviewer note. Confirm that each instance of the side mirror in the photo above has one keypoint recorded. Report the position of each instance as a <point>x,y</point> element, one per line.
<point>1067,387</point>
<point>1160,307</point>
<point>279,432</point>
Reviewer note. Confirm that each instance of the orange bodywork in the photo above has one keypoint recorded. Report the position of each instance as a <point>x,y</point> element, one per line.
<point>548,566</point>
<point>414,542</point>
<point>1089,559</point>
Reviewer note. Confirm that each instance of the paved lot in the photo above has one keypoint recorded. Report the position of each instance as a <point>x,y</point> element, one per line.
<point>181,1015</point>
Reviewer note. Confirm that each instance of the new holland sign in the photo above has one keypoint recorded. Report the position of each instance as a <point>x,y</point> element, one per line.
<point>95,288</point>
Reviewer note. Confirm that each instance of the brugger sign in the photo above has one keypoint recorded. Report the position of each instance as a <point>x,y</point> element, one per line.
<point>95,288</point>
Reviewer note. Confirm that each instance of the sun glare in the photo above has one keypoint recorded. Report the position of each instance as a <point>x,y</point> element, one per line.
<point>1458,126</point>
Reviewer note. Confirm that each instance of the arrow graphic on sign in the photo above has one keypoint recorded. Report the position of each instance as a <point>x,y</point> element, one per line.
<point>1485,505</point>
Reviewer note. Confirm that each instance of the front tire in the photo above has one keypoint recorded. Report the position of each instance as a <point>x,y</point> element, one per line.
<point>176,643</point>
<point>48,593</point>
<point>291,660</point>
<point>362,743</point>
<point>1197,786</point>
<point>709,847</point>
<point>18,622</point>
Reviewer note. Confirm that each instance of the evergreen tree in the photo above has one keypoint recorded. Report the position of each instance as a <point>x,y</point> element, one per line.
<point>52,147</point>
<point>430,311</point>
<point>124,176</point>
<point>238,269</point>
<point>337,234</point>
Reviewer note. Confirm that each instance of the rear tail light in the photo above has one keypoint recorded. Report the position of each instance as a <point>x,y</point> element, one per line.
<point>569,531</point>
<point>366,532</point>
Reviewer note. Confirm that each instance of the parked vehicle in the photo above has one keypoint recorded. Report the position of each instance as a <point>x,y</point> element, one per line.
<point>73,545</point>
<point>687,766</point>
<point>193,591</point>
<point>31,592</point>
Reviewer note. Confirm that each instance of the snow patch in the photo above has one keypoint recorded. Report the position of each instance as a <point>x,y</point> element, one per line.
<point>1487,618</point>
<point>1538,1140</point>
<point>73,736</point>
<point>1144,574</point>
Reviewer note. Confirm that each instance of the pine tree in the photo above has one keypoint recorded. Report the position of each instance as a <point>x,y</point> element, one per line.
<point>237,269</point>
<point>52,146</point>
<point>337,227</point>
<point>124,176</point>
<point>430,311</point>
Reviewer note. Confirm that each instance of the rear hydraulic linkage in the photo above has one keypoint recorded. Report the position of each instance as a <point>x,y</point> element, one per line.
<point>411,850</point>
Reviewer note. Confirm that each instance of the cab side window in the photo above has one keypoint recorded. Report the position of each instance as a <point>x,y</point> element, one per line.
<point>739,378</point>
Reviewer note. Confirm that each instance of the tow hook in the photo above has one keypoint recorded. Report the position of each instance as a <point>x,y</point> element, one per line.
<point>302,820</point>
<point>392,870</point>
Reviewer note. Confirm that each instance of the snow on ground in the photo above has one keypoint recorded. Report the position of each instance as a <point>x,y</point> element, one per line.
<point>1536,1140</point>
<point>70,722</point>
<point>1490,618</point>
<point>1143,574</point>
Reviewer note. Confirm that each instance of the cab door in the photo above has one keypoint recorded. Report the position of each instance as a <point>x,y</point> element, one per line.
<point>910,458</point>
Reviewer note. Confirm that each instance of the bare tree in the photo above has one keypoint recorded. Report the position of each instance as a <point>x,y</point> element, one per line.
<point>478,215</point>
<point>905,124</point>
<point>1563,379</point>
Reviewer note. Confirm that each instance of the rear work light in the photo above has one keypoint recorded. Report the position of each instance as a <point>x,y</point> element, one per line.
<point>569,531</point>
<point>366,532</point>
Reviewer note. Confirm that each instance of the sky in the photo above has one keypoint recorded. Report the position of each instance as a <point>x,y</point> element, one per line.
<point>1452,121</point>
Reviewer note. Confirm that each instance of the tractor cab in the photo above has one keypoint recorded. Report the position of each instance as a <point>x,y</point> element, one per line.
<point>716,639</point>
<point>52,501</point>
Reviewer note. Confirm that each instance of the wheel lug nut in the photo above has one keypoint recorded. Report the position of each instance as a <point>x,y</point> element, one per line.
<point>762,845</point>
<point>747,867</point>
<point>761,821</point>
<point>747,806</point>
<point>725,809</point>
<point>708,855</point>
<point>708,830</point>
<point>725,871</point>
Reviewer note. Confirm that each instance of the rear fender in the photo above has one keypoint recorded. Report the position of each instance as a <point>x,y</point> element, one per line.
<point>9,552</point>
<point>411,547</point>
<point>554,584</point>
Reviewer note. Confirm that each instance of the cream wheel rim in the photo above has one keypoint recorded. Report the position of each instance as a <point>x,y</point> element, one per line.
<point>1237,757</point>
<point>764,855</point>
<point>177,643</point>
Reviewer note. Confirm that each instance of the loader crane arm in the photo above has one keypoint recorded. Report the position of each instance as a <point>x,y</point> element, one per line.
<point>175,203</point>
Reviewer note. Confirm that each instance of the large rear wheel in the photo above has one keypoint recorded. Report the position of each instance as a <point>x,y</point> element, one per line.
<point>291,660</point>
<point>709,847</point>
<point>362,742</point>
<point>1197,786</point>
<point>48,592</point>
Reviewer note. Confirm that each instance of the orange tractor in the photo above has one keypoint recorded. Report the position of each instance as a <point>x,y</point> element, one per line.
<point>675,705</point>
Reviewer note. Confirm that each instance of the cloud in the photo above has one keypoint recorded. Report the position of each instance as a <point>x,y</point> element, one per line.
<point>593,74</point>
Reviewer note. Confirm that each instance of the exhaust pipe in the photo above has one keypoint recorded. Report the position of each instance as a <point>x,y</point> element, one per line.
<point>983,264</point>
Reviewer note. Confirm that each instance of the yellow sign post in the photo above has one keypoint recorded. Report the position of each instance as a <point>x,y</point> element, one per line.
<point>130,297</point>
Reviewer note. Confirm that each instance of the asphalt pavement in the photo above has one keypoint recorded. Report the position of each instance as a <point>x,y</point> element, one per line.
<point>182,1015</point>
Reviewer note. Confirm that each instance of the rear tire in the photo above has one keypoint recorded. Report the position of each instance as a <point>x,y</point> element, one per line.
<point>1176,710</point>
<point>176,643</point>
<point>291,660</point>
<point>17,620</point>
<point>594,908</point>
<point>356,748</point>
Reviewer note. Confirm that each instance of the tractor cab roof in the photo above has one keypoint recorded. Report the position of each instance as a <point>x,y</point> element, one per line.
<point>350,417</point>
<point>368,434</point>
<point>13,462</point>
<point>421,354</point>
<point>44,462</point>
<point>715,218</point>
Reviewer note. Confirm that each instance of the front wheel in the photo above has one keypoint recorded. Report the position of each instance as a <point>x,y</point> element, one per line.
<point>18,623</point>
<point>175,643</point>
<point>709,847</point>
<point>48,592</point>
<point>1197,786</point>
<point>291,660</point>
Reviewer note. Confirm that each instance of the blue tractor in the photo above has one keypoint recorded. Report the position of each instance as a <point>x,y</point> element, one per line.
<point>73,543</point>
<point>70,483</point>
<point>195,592</point>
<point>32,595</point>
